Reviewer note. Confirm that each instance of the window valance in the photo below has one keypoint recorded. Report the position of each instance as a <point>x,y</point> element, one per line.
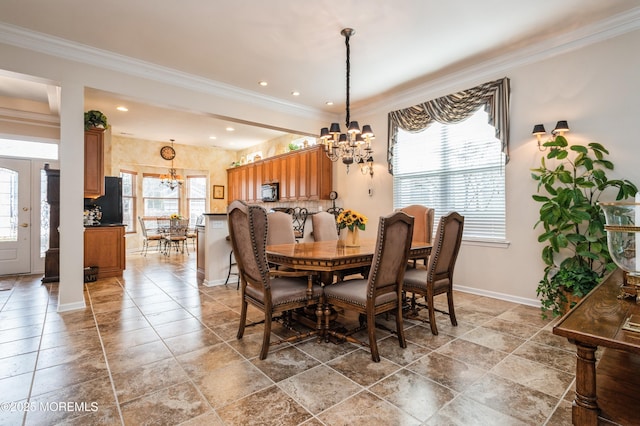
<point>454,108</point>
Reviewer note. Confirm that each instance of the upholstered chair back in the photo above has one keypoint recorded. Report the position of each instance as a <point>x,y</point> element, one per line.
<point>391,254</point>
<point>423,222</point>
<point>248,232</point>
<point>280,229</point>
<point>446,247</point>
<point>324,227</point>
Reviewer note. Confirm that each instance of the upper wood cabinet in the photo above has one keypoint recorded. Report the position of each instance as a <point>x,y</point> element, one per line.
<point>304,174</point>
<point>93,163</point>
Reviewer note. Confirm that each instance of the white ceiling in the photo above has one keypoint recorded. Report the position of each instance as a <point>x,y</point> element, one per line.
<point>293,45</point>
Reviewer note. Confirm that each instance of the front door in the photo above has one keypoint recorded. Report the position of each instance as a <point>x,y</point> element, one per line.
<point>15,214</point>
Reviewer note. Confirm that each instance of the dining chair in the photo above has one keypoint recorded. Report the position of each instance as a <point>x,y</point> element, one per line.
<point>273,292</point>
<point>177,236</point>
<point>382,291</point>
<point>148,236</point>
<point>324,227</point>
<point>280,228</point>
<point>437,278</point>
<point>422,225</point>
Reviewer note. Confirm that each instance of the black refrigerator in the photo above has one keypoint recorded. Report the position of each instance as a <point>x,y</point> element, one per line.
<point>110,203</point>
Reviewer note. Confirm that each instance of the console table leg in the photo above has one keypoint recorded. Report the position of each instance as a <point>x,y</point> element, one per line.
<point>585,405</point>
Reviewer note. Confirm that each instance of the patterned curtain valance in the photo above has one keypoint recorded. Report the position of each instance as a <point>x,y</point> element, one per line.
<point>455,108</point>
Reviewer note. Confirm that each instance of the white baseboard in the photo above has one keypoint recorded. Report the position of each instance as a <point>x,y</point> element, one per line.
<point>508,297</point>
<point>213,283</point>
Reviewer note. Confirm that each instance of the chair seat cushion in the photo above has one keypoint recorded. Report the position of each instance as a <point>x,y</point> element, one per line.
<point>416,279</point>
<point>355,292</point>
<point>285,290</point>
<point>154,237</point>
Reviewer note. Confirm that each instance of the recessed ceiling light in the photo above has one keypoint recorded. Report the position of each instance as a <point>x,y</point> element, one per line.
<point>328,103</point>
<point>295,93</point>
<point>230,129</point>
<point>263,83</point>
<point>212,137</point>
<point>122,108</point>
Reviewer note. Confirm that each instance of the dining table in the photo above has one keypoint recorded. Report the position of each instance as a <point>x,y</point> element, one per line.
<point>328,257</point>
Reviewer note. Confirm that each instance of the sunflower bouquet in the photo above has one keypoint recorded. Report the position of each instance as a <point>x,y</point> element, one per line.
<point>351,219</point>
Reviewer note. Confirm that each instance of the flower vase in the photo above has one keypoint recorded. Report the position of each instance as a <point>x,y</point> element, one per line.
<point>353,237</point>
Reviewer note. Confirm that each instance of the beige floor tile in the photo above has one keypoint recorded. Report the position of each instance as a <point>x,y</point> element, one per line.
<point>172,357</point>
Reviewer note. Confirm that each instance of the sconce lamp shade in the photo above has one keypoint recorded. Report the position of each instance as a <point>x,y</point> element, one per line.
<point>561,127</point>
<point>538,129</point>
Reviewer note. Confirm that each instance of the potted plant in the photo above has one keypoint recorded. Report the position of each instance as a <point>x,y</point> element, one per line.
<point>94,118</point>
<point>293,146</point>
<point>575,242</point>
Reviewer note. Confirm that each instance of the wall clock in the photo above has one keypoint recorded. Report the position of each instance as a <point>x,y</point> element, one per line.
<point>167,152</point>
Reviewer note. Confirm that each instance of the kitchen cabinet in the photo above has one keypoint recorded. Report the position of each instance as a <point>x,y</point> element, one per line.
<point>93,163</point>
<point>303,175</point>
<point>104,247</point>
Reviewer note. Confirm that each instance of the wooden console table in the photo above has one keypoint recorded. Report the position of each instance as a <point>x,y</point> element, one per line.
<point>606,390</point>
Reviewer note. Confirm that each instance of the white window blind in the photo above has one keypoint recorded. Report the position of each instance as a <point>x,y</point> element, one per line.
<point>454,167</point>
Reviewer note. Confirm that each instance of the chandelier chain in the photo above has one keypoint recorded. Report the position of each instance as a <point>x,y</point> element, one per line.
<point>347,36</point>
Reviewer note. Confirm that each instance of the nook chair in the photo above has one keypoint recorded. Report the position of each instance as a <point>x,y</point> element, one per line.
<point>192,233</point>
<point>277,294</point>
<point>437,278</point>
<point>148,236</point>
<point>382,291</point>
<point>324,227</point>
<point>177,236</point>
<point>422,225</point>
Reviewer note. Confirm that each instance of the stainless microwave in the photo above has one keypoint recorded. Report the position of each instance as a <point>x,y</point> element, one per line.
<point>270,192</point>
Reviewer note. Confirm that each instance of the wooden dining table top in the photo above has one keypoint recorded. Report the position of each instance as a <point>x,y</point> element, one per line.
<point>332,255</point>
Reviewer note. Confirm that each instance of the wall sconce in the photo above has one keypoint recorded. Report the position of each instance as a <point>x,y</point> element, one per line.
<point>366,167</point>
<point>538,131</point>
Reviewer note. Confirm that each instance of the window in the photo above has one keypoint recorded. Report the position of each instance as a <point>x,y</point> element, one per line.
<point>8,205</point>
<point>454,167</point>
<point>197,196</point>
<point>159,200</point>
<point>129,200</point>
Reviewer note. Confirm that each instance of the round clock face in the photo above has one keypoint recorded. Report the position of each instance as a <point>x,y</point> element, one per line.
<point>167,152</point>
<point>333,195</point>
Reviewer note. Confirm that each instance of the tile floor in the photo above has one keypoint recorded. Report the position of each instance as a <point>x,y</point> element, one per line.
<point>156,348</point>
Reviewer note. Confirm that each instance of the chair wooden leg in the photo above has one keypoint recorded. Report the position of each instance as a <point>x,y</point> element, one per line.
<point>432,313</point>
<point>243,319</point>
<point>373,343</point>
<point>452,311</point>
<point>400,327</point>
<point>267,335</point>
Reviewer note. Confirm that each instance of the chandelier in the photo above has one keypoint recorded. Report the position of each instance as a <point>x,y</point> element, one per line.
<point>355,145</point>
<point>172,180</point>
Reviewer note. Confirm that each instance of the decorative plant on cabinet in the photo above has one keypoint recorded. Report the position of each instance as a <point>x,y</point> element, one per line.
<point>575,252</point>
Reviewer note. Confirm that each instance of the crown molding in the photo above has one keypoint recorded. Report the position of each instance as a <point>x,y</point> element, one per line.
<point>33,118</point>
<point>600,31</point>
<point>77,52</point>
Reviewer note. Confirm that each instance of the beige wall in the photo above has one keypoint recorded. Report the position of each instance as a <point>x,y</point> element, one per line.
<point>143,156</point>
<point>595,88</point>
